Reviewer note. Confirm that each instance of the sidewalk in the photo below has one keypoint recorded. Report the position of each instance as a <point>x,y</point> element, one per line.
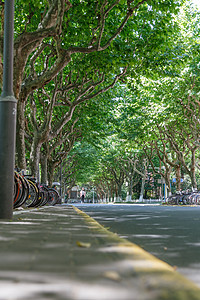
<point>61,253</point>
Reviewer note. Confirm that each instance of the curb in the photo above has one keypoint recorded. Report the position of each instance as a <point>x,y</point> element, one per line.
<point>158,277</point>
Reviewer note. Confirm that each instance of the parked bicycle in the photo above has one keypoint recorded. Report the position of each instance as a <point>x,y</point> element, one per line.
<point>29,193</point>
<point>184,198</point>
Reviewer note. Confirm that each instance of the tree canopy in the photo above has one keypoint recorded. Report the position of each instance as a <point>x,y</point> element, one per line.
<point>112,82</point>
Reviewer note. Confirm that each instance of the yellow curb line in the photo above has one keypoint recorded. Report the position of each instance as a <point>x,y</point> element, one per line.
<point>145,263</point>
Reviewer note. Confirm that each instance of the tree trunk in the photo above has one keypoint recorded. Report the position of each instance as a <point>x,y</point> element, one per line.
<point>50,172</point>
<point>130,188</point>
<point>35,157</point>
<point>116,192</point>
<point>178,177</point>
<point>142,189</point>
<point>192,176</point>
<point>43,162</point>
<point>193,180</point>
<point>20,140</point>
<point>191,171</point>
<point>119,191</point>
<point>112,192</point>
<point>167,178</point>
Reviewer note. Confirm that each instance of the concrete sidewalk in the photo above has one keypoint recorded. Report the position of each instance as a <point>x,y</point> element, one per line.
<point>61,253</point>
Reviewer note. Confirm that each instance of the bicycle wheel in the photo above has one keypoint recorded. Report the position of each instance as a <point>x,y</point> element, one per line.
<point>33,195</point>
<point>41,197</point>
<point>53,196</point>
<point>186,199</point>
<point>25,192</point>
<point>198,199</point>
<point>190,199</point>
<point>45,193</point>
<point>193,198</point>
<point>18,190</point>
<point>172,200</point>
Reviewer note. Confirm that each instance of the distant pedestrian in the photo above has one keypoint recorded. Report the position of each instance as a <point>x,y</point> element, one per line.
<point>82,195</point>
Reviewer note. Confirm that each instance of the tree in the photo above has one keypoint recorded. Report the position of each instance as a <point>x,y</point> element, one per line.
<point>51,108</point>
<point>42,49</point>
<point>51,34</point>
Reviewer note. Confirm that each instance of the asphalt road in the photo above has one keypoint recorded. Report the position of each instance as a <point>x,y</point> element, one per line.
<point>170,233</point>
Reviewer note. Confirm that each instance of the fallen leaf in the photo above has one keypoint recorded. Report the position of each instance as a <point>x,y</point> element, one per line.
<point>82,244</point>
<point>112,275</point>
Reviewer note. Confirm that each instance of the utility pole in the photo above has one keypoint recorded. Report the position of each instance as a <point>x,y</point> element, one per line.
<point>8,105</point>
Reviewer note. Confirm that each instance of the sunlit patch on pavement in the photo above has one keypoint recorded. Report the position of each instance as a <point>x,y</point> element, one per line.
<point>31,286</point>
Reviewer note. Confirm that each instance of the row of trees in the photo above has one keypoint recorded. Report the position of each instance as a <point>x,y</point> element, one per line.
<point>162,139</point>
<point>156,126</point>
<point>82,67</point>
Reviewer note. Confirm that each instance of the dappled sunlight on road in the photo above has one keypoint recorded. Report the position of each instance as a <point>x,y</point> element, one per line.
<point>31,286</point>
<point>170,233</point>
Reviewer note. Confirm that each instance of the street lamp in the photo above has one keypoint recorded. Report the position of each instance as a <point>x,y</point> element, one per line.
<point>8,105</point>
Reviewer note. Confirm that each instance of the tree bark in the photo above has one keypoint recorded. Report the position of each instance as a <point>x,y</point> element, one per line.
<point>43,162</point>
<point>192,170</point>
<point>50,170</point>
<point>178,177</point>
<point>20,134</point>
<point>167,178</point>
<point>141,198</point>
<point>130,188</point>
<point>35,157</point>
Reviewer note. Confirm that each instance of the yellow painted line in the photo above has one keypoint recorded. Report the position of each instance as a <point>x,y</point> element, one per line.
<point>145,264</point>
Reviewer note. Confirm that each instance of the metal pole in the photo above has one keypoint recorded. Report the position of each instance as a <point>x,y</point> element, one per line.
<point>8,105</point>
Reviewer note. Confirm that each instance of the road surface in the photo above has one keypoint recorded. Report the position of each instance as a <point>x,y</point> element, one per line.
<point>170,233</point>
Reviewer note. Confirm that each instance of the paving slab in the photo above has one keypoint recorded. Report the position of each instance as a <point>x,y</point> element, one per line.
<point>62,253</point>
